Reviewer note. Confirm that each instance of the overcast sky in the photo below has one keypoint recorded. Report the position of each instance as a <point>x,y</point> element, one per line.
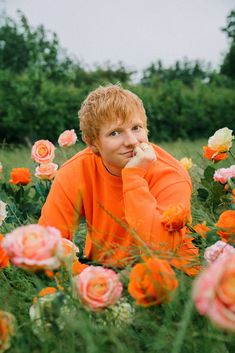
<point>136,32</point>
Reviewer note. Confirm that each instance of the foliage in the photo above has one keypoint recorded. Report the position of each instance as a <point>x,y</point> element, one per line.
<point>186,72</point>
<point>41,88</point>
<point>228,65</point>
<point>66,325</point>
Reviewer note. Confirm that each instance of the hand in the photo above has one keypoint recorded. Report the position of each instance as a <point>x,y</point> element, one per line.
<point>144,156</point>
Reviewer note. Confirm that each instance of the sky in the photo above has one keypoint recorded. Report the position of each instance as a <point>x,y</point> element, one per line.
<point>134,32</point>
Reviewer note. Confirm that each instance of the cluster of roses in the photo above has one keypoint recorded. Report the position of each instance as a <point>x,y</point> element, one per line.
<point>98,289</point>
<point>213,290</point>
<point>43,152</point>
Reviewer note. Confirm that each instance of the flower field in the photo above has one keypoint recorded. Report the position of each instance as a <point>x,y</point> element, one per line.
<point>52,300</point>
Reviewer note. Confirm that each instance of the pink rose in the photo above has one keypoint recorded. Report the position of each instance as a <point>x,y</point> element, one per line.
<point>46,171</point>
<point>0,167</point>
<point>67,138</point>
<point>97,287</point>
<point>43,151</point>
<point>34,247</point>
<point>222,175</point>
<point>217,250</point>
<point>213,292</point>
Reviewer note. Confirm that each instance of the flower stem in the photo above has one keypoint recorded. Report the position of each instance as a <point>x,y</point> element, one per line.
<point>232,154</point>
<point>183,326</point>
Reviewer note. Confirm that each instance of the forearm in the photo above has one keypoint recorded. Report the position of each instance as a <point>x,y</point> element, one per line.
<point>143,210</point>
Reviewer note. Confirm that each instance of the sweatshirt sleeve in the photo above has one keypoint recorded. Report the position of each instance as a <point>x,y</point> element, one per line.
<point>61,211</point>
<point>144,207</point>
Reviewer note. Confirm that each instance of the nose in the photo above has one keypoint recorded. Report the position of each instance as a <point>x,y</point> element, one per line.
<point>130,139</point>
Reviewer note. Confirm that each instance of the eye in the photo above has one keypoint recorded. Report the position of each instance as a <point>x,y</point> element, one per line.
<point>137,127</point>
<point>114,133</point>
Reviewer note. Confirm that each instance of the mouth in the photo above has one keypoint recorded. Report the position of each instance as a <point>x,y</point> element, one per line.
<point>128,154</point>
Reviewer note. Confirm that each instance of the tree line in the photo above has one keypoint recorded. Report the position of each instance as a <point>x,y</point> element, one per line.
<point>41,88</point>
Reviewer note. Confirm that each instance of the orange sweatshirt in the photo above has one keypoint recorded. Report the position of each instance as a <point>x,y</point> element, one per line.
<point>122,213</point>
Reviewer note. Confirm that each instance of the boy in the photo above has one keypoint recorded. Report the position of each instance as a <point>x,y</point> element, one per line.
<point>120,183</point>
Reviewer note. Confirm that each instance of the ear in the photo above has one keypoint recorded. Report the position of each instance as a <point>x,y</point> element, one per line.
<point>91,144</point>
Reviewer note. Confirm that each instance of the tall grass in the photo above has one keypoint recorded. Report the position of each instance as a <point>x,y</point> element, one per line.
<point>172,328</point>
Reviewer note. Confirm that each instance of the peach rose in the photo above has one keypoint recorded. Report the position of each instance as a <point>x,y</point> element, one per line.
<point>214,294</point>
<point>67,138</point>
<point>222,175</point>
<point>97,287</point>
<point>70,252</point>
<point>217,250</point>
<point>46,171</point>
<point>4,260</point>
<point>43,151</point>
<point>226,225</point>
<point>7,329</point>
<point>20,176</point>
<point>152,282</point>
<point>187,163</point>
<point>34,247</point>
<point>221,141</point>
<point>175,218</point>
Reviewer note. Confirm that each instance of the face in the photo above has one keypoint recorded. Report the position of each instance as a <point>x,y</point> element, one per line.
<point>117,141</point>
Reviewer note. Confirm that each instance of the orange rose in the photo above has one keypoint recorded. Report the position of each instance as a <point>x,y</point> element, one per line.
<point>175,218</point>
<point>152,282</point>
<point>43,292</point>
<point>213,155</point>
<point>7,329</point>
<point>201,229</point>
<point>46,291</point>
<point>186,257</point>
<point>4,260</point>
<point>226,225</point>
<point>78,267</point>
<point>20,176</point>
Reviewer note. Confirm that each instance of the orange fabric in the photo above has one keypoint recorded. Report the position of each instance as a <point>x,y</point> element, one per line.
<point>122,213</point>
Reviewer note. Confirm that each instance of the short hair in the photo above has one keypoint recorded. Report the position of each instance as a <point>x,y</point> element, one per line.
<point>107,104</point>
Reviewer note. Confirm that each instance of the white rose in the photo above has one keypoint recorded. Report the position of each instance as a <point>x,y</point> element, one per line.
<point>3,211</point>
<point>221,140</point>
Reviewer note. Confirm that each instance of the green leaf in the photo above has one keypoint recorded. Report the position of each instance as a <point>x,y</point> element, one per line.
<point>202,194</point>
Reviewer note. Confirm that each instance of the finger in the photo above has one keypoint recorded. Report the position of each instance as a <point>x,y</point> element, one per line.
<point>144,146</point>
<point>138,150</point>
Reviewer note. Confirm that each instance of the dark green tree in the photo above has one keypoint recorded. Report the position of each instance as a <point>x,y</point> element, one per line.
<point>23,48</point>
<point>185,71</point>
<point>228,65</point>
